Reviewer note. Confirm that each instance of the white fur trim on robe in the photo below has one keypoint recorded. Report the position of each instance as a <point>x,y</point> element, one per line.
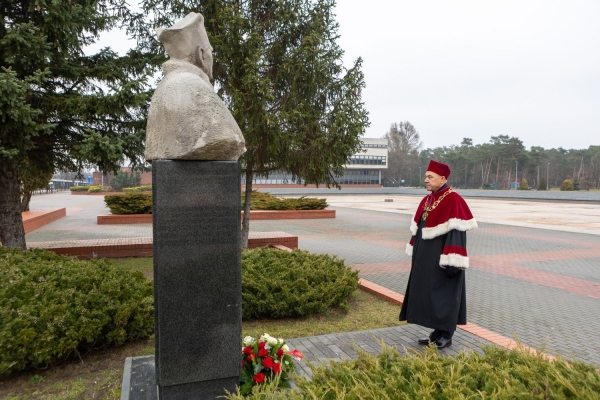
<point>413,226</point>
<point>409,249</point>
<point>442,229</point>
<point>454,260</point>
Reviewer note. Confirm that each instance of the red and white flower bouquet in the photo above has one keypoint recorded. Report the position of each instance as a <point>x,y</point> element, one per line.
<point>266,359</point>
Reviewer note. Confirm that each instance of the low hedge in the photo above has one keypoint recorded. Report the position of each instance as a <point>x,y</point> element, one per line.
<point>94,189</point>
<point>53,307</point>
<point>266,201</point>
<point>498,373</point>
<point>79,188</point>
<point>129,203</point>
<point>138,189</point>
<point>277,284</point>
<point>139,202</point>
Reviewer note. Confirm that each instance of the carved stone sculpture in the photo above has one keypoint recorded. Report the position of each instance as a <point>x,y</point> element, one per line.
<point>187,120</point>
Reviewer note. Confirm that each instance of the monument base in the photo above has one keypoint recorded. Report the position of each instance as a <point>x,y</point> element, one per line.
<point>197,284</point>
<point>139,383</point>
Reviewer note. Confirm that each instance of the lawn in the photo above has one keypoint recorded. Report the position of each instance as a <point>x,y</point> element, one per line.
<point>98,375</point>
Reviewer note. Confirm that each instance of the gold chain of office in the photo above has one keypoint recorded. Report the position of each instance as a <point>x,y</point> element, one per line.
<point>432,207</point>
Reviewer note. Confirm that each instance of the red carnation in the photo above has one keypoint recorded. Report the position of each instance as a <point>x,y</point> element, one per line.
<point>263,352</point>
<point>251,357</point>
<point>243,363</point>
<point>277,368</point>
<point>280,353</point>
<point>262,344</point>
<point>268,362</point>
<point>259,377</point>
<point>247,350</point>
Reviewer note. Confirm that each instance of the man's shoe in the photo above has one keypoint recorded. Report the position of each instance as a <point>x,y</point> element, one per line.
<point>433,336</point>
<point>442,343</point>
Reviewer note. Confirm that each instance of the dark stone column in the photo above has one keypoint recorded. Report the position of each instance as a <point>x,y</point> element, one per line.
<point>197,277</point>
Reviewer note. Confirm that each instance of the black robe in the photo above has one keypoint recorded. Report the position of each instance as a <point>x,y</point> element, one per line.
<point>433,298</point>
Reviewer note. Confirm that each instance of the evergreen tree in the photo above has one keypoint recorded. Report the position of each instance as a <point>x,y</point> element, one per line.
<point>31,180</point>
<point>125,179</point>
<point>278,68</point>
<point>542,185</point>
<point>524,185</point>
<point>567,185</point>
<point>60,108</point>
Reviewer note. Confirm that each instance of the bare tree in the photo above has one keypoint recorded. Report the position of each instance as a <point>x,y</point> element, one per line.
<point>404,147</point>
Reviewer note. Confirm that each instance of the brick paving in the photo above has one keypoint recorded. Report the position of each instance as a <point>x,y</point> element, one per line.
<point>343,346</point>
<point>519,285</point>
<point>539,286</point>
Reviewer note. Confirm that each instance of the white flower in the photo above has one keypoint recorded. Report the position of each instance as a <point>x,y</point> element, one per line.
<point>248,340</point>
<point>285,348</point>
<point>272,341</point>
<point>281,341</point>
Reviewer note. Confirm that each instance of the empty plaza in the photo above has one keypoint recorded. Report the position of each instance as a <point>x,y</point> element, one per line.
<point>534,275</point>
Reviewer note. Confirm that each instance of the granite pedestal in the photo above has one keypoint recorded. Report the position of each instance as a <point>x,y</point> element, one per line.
<point>197,277</point>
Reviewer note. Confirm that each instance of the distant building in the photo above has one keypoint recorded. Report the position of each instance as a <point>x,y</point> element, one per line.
<point>364,167</point>
<point>99,180</point>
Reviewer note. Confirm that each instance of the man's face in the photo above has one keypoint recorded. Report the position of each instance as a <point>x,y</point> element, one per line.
<point>203,58</point>
<point>434,181</point>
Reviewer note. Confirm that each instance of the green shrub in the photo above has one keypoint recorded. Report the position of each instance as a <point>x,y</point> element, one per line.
<point>138,189</point>
<point>52,307</point>
<point>124,180</point>
<point>498,373</point>
<point>129,203</point>
<point>567,185</point>
<point>94,189</point>
<point>524,185</point>
<point>277,284</point>
<point>79,188</point>
<point>542,185</point>
<point>266,201</point>
<point>126,204</point>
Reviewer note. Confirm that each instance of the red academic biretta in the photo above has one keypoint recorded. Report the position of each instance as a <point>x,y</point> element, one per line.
<point>439,168</point>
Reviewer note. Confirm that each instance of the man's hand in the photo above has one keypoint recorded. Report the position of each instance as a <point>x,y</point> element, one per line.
<point>451,272</point>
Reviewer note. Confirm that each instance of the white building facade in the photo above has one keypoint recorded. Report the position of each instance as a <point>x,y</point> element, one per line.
<point>364,168</point>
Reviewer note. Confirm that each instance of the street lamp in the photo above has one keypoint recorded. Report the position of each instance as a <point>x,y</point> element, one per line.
<point>420,176</point>
<point>548,176</point>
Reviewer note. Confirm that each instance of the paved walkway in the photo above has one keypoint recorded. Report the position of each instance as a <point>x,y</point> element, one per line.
<point>538,285</point>
<point>552,195</point>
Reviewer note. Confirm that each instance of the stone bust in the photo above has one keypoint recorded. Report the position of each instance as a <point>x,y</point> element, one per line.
<point>186,119</point>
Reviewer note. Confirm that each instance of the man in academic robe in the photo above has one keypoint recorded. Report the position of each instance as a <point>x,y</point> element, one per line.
<point>436,294</point>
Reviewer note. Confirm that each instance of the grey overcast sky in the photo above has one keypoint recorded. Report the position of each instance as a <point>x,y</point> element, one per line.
<point>479,68</point>
<point>475,68</point>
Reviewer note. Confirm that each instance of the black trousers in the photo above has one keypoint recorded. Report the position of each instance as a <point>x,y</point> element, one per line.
<point>444,334</point>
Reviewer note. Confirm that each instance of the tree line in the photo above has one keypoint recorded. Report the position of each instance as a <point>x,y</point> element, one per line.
<point>500,162</point>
